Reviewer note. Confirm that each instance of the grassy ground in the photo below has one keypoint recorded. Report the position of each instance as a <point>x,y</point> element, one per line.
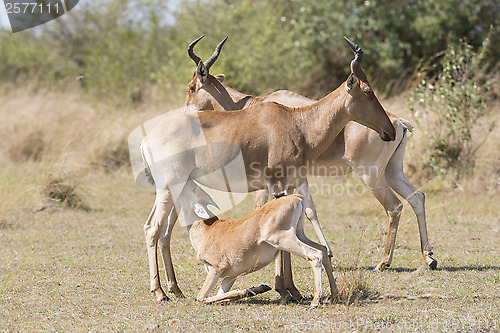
<point>70,269</point>
<point>85,268</point>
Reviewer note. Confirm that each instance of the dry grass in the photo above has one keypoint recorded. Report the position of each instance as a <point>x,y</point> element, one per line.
<point>86,270</point>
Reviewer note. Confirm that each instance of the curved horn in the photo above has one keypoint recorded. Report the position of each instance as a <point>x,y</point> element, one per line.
<point>214,56</point>
<point>356,63</point>
<point>193,56</point>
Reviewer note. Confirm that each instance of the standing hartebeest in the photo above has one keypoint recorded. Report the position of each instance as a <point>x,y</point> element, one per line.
<point>274,141</point>
<point>378,163</point>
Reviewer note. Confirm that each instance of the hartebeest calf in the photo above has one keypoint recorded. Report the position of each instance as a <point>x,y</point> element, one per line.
<point>231,248</point>
<point>378,163</point>
<point>274,141</point>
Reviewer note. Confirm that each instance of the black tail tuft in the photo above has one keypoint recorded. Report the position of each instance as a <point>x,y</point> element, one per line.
<point>149,176</point>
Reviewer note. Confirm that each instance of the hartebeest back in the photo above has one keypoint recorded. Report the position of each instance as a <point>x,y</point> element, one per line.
<point>274,141</point>
<point>379,164</point>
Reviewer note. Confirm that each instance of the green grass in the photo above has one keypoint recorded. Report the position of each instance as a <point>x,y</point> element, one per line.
<point>69,269</point>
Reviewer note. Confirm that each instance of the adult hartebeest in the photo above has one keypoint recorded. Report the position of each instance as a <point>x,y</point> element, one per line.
<point>230,248</point>
<point>378,163</point>
<point>274,141</point>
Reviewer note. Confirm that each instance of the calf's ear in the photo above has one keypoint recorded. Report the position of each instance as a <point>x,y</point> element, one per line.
<point>200,211</point>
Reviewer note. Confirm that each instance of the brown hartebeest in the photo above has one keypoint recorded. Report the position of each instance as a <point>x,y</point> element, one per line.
<point>230,248</point>
<point>378,163</point>
<point>274,141</point>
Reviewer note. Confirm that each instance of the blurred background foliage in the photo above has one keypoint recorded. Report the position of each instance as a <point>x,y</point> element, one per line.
<point>136,49</point>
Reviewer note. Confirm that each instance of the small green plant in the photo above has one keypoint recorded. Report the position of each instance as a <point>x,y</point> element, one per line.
<point>449,104</point>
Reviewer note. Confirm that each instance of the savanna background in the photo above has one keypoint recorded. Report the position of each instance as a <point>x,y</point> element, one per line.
<point>72,250</point>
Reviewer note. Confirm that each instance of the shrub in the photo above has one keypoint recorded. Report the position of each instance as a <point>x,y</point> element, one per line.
<point>449,103</point>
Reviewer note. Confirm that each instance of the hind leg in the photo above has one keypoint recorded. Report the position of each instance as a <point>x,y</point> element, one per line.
<point>152,229</point>
<point>226,285</point>
<point>164,243</point>
<point>393,207</point>
<point>312,215</point>
<point>397,180</point>
<point>416,199</point>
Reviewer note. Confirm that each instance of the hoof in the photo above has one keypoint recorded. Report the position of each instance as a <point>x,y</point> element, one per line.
<point>285,299</point>
<point>160,295</point>
<point>313,306</point>
<point>296,295</point>
<point>380,267</point>
<point>180,295</point>
<point>433,264</point>
<point>177,292</point>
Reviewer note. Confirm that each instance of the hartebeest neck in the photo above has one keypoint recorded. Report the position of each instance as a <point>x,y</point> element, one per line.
<point>322,121</point>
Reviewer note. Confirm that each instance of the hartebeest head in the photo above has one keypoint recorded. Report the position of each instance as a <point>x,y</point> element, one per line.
<point>362,105</point>
<point>205,92</point>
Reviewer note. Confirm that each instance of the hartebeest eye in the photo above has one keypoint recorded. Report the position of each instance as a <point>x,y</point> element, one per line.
<point>192,89</point>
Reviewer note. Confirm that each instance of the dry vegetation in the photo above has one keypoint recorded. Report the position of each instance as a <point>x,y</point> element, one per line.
<point>66,268</point>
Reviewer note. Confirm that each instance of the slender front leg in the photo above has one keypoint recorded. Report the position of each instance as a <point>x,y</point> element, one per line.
<point>261,198</point>
<point>287,270</point>
<point>334,292</point>
<point>279,279</point>
<point>311,214</point>
<point>288,241</point>
<point>164,243</point>
<point>209,284</point>
<point>162,206</point>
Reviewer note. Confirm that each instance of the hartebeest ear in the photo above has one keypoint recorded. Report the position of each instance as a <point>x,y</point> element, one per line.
<point>352,81</point>
<point>220,77</point>
<point>200,210</point>
<point>202,72</point>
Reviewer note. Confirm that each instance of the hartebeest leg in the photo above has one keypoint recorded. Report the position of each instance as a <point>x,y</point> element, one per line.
<point>287,269</point>
<point>226,285</point>
<point>311,214</point>
<point>393,207</point>
<point>152,229</point>
<point>261,198</point>
<point>209,284</point>
<point>326,260</point>
<point>289,242</point>
<point>283,280</point>
<point>396,178</point>
<point>164,243</point>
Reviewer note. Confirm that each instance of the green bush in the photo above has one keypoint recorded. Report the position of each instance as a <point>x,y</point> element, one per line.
<point>129,50</point>
<point>450,103</point>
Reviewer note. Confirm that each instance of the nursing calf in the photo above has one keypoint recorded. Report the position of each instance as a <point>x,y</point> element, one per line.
<point>230,248</point>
